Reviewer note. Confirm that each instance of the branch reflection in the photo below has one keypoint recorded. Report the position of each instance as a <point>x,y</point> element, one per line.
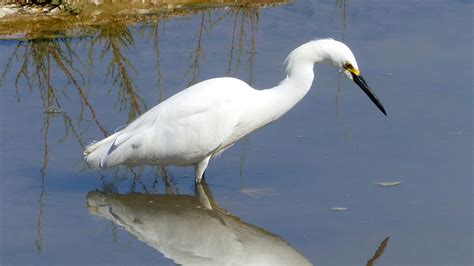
<point>116,38</point>
<point>378,253</point>
<point>342,6</point>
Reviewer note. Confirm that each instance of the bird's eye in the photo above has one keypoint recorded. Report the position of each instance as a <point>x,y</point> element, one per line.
<point>348,66</point>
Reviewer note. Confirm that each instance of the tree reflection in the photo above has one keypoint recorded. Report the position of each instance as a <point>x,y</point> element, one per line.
<point>116,38</point>
<point>36,69</point>
<point>156,45</point>
<point>341,7</point>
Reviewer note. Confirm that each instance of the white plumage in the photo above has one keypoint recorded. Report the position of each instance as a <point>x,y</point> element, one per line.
<point>205,119</point>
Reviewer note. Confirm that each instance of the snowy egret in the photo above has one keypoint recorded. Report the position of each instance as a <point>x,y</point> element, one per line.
<point>205,119</point>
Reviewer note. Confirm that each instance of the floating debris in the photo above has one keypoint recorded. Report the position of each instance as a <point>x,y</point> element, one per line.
<point>53,111</point>
<point>339,209</point>
<point>257,192</point>
<point>389,184</point>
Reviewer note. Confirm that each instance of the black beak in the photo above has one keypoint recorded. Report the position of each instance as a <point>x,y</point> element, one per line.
<point>360,81</point>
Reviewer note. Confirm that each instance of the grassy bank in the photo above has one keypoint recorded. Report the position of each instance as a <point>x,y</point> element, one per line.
<point>32,19</point>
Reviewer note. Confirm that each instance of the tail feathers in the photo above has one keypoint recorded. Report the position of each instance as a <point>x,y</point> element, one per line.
<point>97,149</point>
<point>113,150</point>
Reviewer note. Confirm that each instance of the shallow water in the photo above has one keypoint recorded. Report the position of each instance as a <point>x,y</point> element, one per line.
<point>305,186</point>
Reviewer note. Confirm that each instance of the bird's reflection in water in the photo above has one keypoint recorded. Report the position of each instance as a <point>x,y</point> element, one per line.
<point>193,230</point>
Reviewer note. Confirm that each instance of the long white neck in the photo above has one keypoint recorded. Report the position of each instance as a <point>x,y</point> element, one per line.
<point>278,100</point>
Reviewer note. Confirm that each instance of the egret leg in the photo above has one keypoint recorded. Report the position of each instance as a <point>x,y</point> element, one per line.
<point>203,197</point>
<point>200,167</point>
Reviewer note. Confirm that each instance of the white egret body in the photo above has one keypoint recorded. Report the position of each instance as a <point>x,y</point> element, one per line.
<point>205,119</point>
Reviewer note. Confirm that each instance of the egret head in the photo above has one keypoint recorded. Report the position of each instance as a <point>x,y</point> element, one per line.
<point>333,52</point>
<point>342,57</point>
